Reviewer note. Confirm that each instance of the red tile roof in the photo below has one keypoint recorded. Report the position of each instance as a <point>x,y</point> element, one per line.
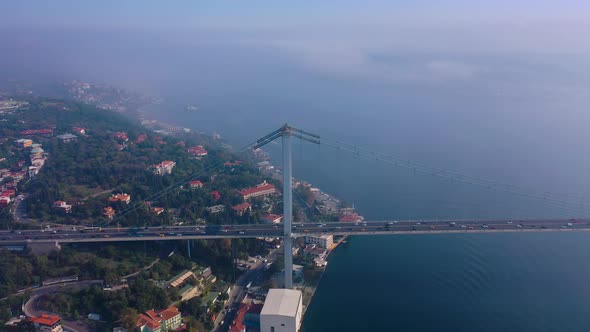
<point>169,312</point>
<point>198,150</point>
<point>259,188</point>
<point>47,320</point>
<point>216,195</point>
<point>238,324</point>
<point>271,217</point>
<point>37,131</point>
<point>195,183</point>
<point>241,207</point>
<point>153,318</point>
<point>146,320</point>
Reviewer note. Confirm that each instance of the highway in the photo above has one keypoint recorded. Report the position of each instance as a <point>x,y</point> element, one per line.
<point>31,309</point>
<point>68,234</point>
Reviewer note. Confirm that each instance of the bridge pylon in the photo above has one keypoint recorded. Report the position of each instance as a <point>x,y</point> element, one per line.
<point>286,133</point>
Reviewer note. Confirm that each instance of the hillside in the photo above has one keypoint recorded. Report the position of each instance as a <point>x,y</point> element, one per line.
<point>111,154</point>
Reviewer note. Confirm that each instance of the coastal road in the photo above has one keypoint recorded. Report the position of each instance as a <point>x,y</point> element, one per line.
<point>68,234</point>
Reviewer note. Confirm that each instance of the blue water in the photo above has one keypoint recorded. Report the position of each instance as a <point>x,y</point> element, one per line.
<point>477,282</point>
<point>487,282</point>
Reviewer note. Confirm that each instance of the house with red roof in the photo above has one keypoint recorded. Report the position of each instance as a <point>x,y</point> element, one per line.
<point>121,136</point>
<point>125,198</point>
<point>44,132</point>
<point>62,206</point>
<point>4,200</point>
<point>79,130</point>
<point>263,189</point>
<point>242,208</point>
<point>271,218</point>
<point>232,163</point>
<point>47,323</point>
<point>108,212</point>
<point>216,195</point>
<point>164,167</point>
<point>141,138</point>
<point>159,321</point>
<point>195,184</point>
<point>198,151</point>
<point>157,210</point>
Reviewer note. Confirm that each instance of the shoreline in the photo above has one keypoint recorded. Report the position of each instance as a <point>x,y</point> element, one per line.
<point>308,290</point>
<point>324,203</point>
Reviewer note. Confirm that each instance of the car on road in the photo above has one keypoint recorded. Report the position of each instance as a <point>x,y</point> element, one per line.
<point>241,232</point>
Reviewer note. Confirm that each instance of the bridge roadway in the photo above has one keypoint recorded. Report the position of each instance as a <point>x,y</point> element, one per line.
<point>67,234</point>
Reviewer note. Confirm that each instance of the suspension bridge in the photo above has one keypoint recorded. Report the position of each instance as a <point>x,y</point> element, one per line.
<point>288,230</point>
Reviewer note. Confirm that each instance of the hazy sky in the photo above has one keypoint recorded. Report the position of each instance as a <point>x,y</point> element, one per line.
<point>497,80</point>
<point>343,37</point>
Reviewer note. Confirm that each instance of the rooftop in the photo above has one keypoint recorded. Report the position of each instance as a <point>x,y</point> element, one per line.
<point>44,319</point>
<point>67,136</point>
<point>282,302</point>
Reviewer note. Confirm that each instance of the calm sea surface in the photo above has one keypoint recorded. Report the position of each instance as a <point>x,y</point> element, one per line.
<point>478,282</point>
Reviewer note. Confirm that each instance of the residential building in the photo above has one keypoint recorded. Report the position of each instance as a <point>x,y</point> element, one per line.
<point>62,206</point>
<point>238,323</point>
<point>194,184</point>
<point>121,136</point>
<point>271,218</point>
<point>38,161</point>
<point>44,132</point>
<point>198,150</point>
<point>216,195</point>
<point>146,324</point>
<point>47,323</point>
<point>4,200</point>
<point>157,210</point>
<point>241,209</point>
<point>313,250</point>
<point>159,321</point>
<point>108,212</point>
<point>323,241</point>
<point>36,152</point>
<point>125,198</point>
<point>67,138</point>
<point>252,317</point>
<point>33,170</point>
<point>281,311</point>
<point>263,189</point>
<point>141,138</point>
<point>23,143</point>
<point>164,167</point>
<point>232,163</point>
<point>79,130</point>
<point>215,208</point>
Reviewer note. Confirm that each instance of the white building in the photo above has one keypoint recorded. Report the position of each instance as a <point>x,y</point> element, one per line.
<point>324,241</point>
<point>281,311</point>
